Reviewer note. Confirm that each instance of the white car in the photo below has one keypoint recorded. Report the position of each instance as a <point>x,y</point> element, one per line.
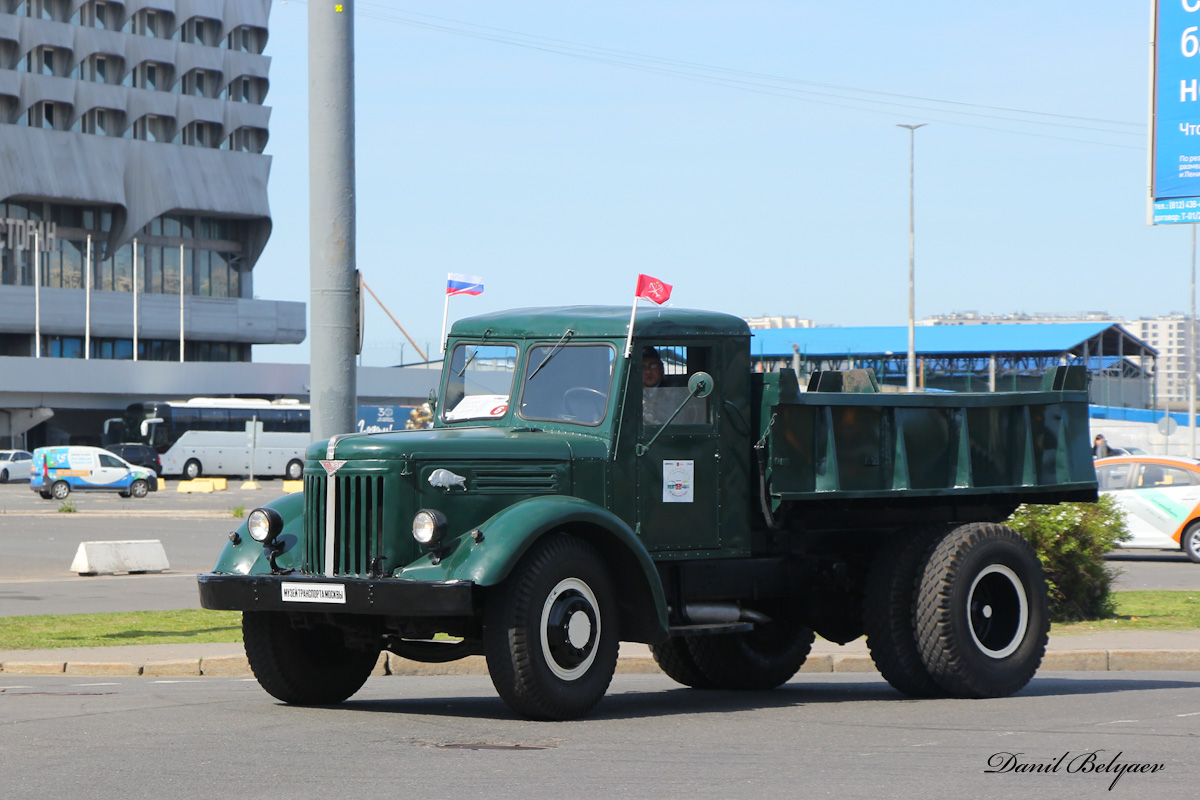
<point>1161,499</point>
<point>14,465</point>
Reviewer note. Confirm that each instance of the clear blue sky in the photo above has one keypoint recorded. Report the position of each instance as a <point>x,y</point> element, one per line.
<point>745,151</point>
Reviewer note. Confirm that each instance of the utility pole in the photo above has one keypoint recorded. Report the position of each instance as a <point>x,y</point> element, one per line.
<point>334,341</point>
<point>912,256</point>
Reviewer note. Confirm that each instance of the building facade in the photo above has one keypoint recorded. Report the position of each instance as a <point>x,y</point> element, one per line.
<point>133,193</point>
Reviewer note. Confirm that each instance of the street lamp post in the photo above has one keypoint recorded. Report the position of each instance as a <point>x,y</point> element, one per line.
<point>912,256</point>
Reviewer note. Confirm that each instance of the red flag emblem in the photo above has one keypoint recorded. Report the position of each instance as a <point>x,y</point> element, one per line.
<point>653,289</point>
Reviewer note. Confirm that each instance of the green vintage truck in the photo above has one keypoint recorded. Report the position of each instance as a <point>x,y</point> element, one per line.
<point>576,492</point>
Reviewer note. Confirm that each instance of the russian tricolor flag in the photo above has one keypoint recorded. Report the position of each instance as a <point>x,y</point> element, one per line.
<point>457,283</point>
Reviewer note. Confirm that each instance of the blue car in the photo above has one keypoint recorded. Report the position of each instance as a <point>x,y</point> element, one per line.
<point>58,471</point>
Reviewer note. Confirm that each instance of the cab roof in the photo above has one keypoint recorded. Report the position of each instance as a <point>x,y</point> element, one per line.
<point>600,322</point>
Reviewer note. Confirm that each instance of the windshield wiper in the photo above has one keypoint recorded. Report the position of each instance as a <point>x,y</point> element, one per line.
<point>550,355</point>
<point>469,360</point>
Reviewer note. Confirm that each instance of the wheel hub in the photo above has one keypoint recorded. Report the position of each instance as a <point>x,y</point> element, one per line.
<point>998,611</point>
<point>570,629</point>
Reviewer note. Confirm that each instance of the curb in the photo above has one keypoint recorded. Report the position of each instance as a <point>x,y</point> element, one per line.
<point>390,664</point>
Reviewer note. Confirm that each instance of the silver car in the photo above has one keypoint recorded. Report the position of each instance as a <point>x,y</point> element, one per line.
<point>14,465</point>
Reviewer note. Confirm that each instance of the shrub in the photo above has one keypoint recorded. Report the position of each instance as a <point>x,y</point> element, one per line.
<point>1071,540</point>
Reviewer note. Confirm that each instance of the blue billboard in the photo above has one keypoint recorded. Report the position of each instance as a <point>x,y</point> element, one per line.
<point>379,419</point>
<point>1175,166</point>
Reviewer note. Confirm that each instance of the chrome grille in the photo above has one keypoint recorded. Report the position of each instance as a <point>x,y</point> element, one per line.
<point>358,523</point>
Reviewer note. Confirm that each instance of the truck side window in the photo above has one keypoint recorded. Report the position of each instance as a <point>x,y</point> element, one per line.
<point>665,372</point>
<point>479,380</point>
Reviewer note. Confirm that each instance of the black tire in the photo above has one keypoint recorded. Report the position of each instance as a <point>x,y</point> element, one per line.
<point>550,631</point>
<point>60,490</point>
<point>122,494</point>
<point>1190,542</point>
<point>139,488</point>
<point>294,470</point>
<point>3,476</point>
<point>192,470</point>
<point>890,605</point>
<point>45,495</point>
<point>674,657</point>
<point>303,666</point>
<point>761,659</point>
<point>982,612</point>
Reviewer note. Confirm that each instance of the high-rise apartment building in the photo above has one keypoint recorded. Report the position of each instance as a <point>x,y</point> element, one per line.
<point>133,184</point>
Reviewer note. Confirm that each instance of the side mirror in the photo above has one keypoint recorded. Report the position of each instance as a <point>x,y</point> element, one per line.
<point>700,385</point>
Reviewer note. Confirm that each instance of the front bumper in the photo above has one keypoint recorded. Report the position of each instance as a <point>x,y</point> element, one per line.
<point>392,598</point>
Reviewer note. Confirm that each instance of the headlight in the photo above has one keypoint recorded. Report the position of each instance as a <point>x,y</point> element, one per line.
<point>264,524</point>
<point>429,526</point>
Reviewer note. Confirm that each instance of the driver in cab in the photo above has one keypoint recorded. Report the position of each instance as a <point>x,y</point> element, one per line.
<point>660,402</point>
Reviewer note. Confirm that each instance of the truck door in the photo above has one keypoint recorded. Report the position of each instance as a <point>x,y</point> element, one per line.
<point>678,469</point>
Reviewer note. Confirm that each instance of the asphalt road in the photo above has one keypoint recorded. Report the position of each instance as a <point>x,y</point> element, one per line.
<point>840,736</point>
<point>37,545</point>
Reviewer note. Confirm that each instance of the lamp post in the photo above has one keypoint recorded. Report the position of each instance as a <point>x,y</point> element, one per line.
<point>912,257</point>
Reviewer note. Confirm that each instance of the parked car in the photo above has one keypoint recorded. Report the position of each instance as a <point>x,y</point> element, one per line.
<point>14,465</point>
<point>142,455</point>
<point>1161,499</point>
<point>57,471</point>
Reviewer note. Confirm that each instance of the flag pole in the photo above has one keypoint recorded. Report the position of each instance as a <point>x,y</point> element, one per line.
<point>629,339</point>
<point>445,316</point>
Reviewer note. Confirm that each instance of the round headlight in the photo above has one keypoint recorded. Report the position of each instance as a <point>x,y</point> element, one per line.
<point>429,526</point>
<point>264,524</point>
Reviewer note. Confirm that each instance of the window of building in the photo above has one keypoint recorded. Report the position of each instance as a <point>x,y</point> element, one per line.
<point>245,39</point>
<point>200,83</point>
<point>151,128</point>
<point>201,30</point>
<point>47,114</point>
<point>247,140</point>
<point>100,68</point>
<point>46,60</point>
<point>201,134</point>
<point>97,14</point>
<point>149,75</point>
<point>101,122</point>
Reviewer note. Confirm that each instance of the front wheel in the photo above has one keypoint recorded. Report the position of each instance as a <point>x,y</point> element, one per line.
<point>305,665</point>
<point>550,632</point>
<point>982,616</point>
<point>191,470</point>
<point>3,476</point>
<point>1191,542</point>
<point>60,490</point>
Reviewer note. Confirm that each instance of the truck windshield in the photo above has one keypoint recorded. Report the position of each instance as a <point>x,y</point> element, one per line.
<point>571,386</point>
<point>478,381</point>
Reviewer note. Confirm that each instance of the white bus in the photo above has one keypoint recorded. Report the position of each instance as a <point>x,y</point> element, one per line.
<point>223,436</point>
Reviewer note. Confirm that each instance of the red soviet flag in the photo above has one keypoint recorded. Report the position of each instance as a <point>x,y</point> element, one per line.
<point>653,289</point>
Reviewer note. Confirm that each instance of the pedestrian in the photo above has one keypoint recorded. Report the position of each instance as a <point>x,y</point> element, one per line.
<point>1100,448</point>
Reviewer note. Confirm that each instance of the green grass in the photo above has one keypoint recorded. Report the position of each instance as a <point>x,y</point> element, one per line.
<point>52,631</point>
<point>1136,611</point>
<point>1144,611</point>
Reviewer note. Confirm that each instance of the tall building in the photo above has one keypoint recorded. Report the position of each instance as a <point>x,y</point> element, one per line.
<point>1168,334</point>
<point>133,185</point>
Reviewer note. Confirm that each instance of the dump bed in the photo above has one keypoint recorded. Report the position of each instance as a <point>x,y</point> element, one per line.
<point>1003,449</point>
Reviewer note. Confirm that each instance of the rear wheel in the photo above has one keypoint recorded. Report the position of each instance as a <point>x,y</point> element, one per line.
<point>889,608</point>
<point>139,488</point>
<point>550,631</point>
<point>60,490</point>
<point>675,658</point>
<point>191,470</point>
<point>982,612</point>
<point>1191,542</point>
<point>763,658</point>
<point>295,470</point>
<point>304,665</point>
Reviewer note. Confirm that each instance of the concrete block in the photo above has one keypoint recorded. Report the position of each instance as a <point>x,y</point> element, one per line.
<point>818,663</point>
<point>218,484</point>
<point>108,558</point>
<point>291,487</point>
<point>250,486</point>
<point>180,668</point>
<point>1145,660</point>
<point>637,666</point>
<point>853,663</point>
<point>1075,661</point>
<point>162,485</point>
<point>226,667</point>
<point>198,486</point>
<point>103,668</point>
<point>34,667</point>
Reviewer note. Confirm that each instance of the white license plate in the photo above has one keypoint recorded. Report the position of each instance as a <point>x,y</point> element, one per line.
<point>314,593</point>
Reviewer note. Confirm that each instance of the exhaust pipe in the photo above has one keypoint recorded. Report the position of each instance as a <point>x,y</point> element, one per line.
<point>722,614</point>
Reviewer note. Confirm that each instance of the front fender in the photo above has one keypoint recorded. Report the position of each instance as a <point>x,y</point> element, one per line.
<point>489,558</point>
<point>248,557</point>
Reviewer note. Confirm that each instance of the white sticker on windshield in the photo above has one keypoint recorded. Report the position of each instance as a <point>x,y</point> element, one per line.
<point>479,406</point>
<point>679,479</point>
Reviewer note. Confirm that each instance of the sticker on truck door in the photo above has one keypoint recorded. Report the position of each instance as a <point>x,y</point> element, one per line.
<point>679,481</point>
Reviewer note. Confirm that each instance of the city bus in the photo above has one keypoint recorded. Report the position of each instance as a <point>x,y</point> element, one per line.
<point>240,437</point>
